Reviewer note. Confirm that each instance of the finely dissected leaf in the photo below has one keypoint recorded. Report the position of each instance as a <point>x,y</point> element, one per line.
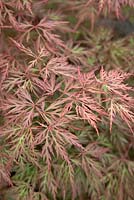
<point>65,75</point>
<point>112,5</point>
<point>20,109</point>
<point>116,96</point>
<point>55,138</point>
<point>60,66</point>
<point>49,87</point>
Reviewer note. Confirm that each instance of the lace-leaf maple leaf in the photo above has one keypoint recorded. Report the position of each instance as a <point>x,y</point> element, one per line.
<point>112,5</point>
<point>116,95</point>
<point>19,108</point>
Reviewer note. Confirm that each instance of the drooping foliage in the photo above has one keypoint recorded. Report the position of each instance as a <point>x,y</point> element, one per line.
<point>66,101</point>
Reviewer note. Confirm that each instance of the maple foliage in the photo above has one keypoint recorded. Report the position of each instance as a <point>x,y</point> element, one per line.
<point>66,125</point>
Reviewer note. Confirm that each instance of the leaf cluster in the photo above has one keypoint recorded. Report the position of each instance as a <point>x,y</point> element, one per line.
<point>66,126</point>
